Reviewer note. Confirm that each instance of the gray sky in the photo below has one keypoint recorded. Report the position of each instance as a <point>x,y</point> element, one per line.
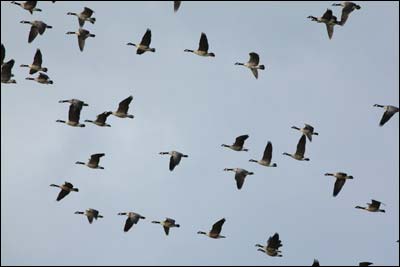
<point>192,104</point>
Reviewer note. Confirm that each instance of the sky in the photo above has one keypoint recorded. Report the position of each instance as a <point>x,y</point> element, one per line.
<point>193,105</point>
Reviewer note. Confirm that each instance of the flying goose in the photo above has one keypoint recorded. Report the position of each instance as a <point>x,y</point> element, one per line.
<point>132,219</point>
<point>174,159</point>
<point>329,20</point>
<point>3,54</point>
<point>28,5</point>
<point>122,111</point>
<point>90,213</point>
<point>38,27</point>
<point>101,119</point>
<point>301,148</point>
<point>365,263</point>
<point>6,72</point>
<point>215,230</point>
<point>65,189</point>
<point>372,207</point>
<point>266,159</point>
<point>252,64</point>
<point>82,36</point>
<point>240,175</point>
<point>37,63</point>
<point>41,78</point>
<point>74,101</point>
<point>93,161</point>
<point>238,145</point>
<point>85,15</point>
<point>348,7</point>
<point>272,247</point>
<point>315,263</point>
<point>74,114</point>
<point>144,44</point>
<point>177,4</point>
<point>340,180</point>
<point>307,130</point>
<point>389,112</point>
<point>166,224</point>
<point>203,47</point>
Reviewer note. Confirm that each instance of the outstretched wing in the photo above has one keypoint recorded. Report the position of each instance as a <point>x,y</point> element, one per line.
<point>385,117</point>
<point>338,186</point>
<point>203,44</point>
<point>62,194</point>
<point>239,141</point>
<point>267,153</point>
<point>254,59</point>
<point>146,38</point>
<point>301,146</point>
<point>124,105</point>
<point>217,227</point>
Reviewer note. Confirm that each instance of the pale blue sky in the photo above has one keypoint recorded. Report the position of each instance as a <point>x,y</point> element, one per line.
<point>192,104</point>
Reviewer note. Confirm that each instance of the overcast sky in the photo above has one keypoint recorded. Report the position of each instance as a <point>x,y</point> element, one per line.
<point>193,104</point>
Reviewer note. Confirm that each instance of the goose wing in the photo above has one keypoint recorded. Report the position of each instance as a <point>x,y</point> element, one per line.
<point>146,38</point>
<point>240,177</point>
<point>254,59</point>
<point>203,44</point>
<point>3,53</point>
<point>177,4</point>
<point>74,113</point>
<point>37,60</point>
<point>173,161</point>
<point>327,15</point>
<point>338,186</point>
<point>128,224</point>
<point>101,118</point>
<point>255,72</point>
<point>385,117</point>
<point>62,194</point>
<point>315,263</point>
<point>6,70</point>
<point>274,242</point>
<point>124,105</point>
<point>239,141</point>
<point>95,158</point>
<point>301,146</point>
<point>87,12</point>
<point>267,153</point>
<point>33,33</point>
<point>376,204</point>
<point>217,227</point>
<point>329,28</point>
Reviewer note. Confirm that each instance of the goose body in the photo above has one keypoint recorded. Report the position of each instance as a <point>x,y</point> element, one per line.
<point>37,63</point>
<point>175,158</point>
<point>41,78</point>
<point>122,111</point>
<point>28,5</point>
<point>240,175</point>
<point>66,188</point>
<point>301,148</point>
<point>85,15</point>
<point>101,119</point>
<point>132,219</point>
<point>272,247</point>
<point>91,214</point>
<point>341,178</point>
<point>215,231</point>
<point>37,27</point>
<point>238,145</point>
<point>203,47</point>
<point>6,72</point>
<point>267,156</point>
<point>82,36</point>
<point>389,112</point>
<point>166,224</point>
<point>348,7</point>
<point>307,130</point>
<point>144,45</point>
<point>253,64</point>
<point>372,207</point>
<point>93,161</point>
<point>329,20</point>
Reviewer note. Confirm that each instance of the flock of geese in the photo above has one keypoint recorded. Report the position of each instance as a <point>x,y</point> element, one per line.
<point>272,247</point>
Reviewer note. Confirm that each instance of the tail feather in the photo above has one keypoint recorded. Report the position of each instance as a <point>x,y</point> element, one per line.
<point>261,67</point>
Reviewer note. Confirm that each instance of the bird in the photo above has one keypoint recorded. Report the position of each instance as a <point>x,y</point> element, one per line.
<point>85,15</point>
<point>348,7</point>
<point>6,73</point>
<point>177,4</point>
<point>372,207</point>
<point>301,147</point>
<point>174,159</point>
<point>132,219</point>
<point>252,64</point>
<point>340,180</point>
<point>144,45</point>
<point>266,159</point>
<point>315,263</point>
<point>122,111</point>
<point>82,36</point>
<point>240,175</point>
<point>37,63</point>
<point>272,247</point>
<point>66,188</point>
<point>38,27</point>
<point>74,114</point>
<point>93,161</point>
<point>74,101</point>
<point>203,47</point>
<point>329,20</point>
<point>41,78</point>
<point>239,142</point>
<point>166,224</point>
<point>90,213</point>
<point>389,112</point>
<point>3,54</point>
<point>307,130</point>
<point>215,230</point>
<point>365,263</point>
<point>101,119</point>
<point>28,5</point>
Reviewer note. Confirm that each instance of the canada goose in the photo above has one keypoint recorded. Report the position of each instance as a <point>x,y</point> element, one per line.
<point>28,5</point>
<point>65,189</point>
<point>74,114</point>
<point>6,72</point>
<point>215,230</point>
<point>348,7</point>
<point>307,130</point>
<point>74,101</point>
<point>240,175</point>
<point>177,4</point>
<point>389,112</point>
<point>144,44</point>
<point>329,20</point>
<point>123,107</point>
<point>239,142</point>
<point>82,36</point>
<point>266,159</point>
<point>93,161</point>
<point>3,54</point>
<point>315,263</point>
<point>101,119</point>
<point>372,207</point>
<point>85,15</point>
<point>38,27</point>
<point>37,63</point>
<point>132,219</point>
<point>340,180</point>
<point>203,47</point>
<point>166,224</point>
<point>365,263</point>
<point>273,244</point>
<point>90,213</point>
<point>301,148</point>
<point>41,78</point>
<point>252,64</point>
<point>174,159</point>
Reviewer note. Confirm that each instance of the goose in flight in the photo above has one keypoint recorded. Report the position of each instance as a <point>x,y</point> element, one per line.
<point>82,36</point>
<point>101,119</point>
<point>90,213</point>
<point>28,5</point>
<point>215,230</point>
<point>74,115</point>
<point>267,156</point>
<point>329,20</point>
<point>174,159</point>
<point>66,188</point>
<point>307,130</point>
<point>6,72</point>
<point>301,148</point>
<point>272,247</point>
<point>38,27</point>
<point>93,161</point>
<point>389,112</point>
<point>122,111</point>
<point>37,63</point>
<point>132,219</point>
<point>144,45</point>
<point>239,142</point>
<point>166,224</point>
<point>252,64</point>
<point>203,47</point>
<point>372,207</point>
<point>85,15</point>
<point>41,78</point>
<point>240,175</point>
<point>348,7</point>
<point>340,181</point>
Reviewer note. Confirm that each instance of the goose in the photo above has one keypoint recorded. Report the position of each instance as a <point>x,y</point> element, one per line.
<point>144,45</point>
<point>85,15</point>
<point>174,159</point>
<point>301,148</point>
<point>6,72</point>
<point>240,175</point>
<point>74,101</point>
<point>203,47</point>
<point>93,161</point>
<point>90,213</point>
<point>38,27</point>
<point>307,130</point>
<point>3,54</point>
<point>37,63</point>
<point>101,119</point>
<point>372,207</point>
<point>215,230</point>
<point>239,142</point>
<point>132,219</point>
<point>28,5</point>
<point>166,224</point>
<point>340,180</point>
<point>66,188</point>
<point>348,7</point>
<point>389,112</point>
<point>41,78</point>
<point>329,20</point>
<point>82,36</point>
<point>74,114</point>
<point>122,111</point>
<point>273,244</point>
<point>252,64</point>
<point>365,263</point>
<point>177,4</point>
<point>315,263</point>
<point>266,159</point>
